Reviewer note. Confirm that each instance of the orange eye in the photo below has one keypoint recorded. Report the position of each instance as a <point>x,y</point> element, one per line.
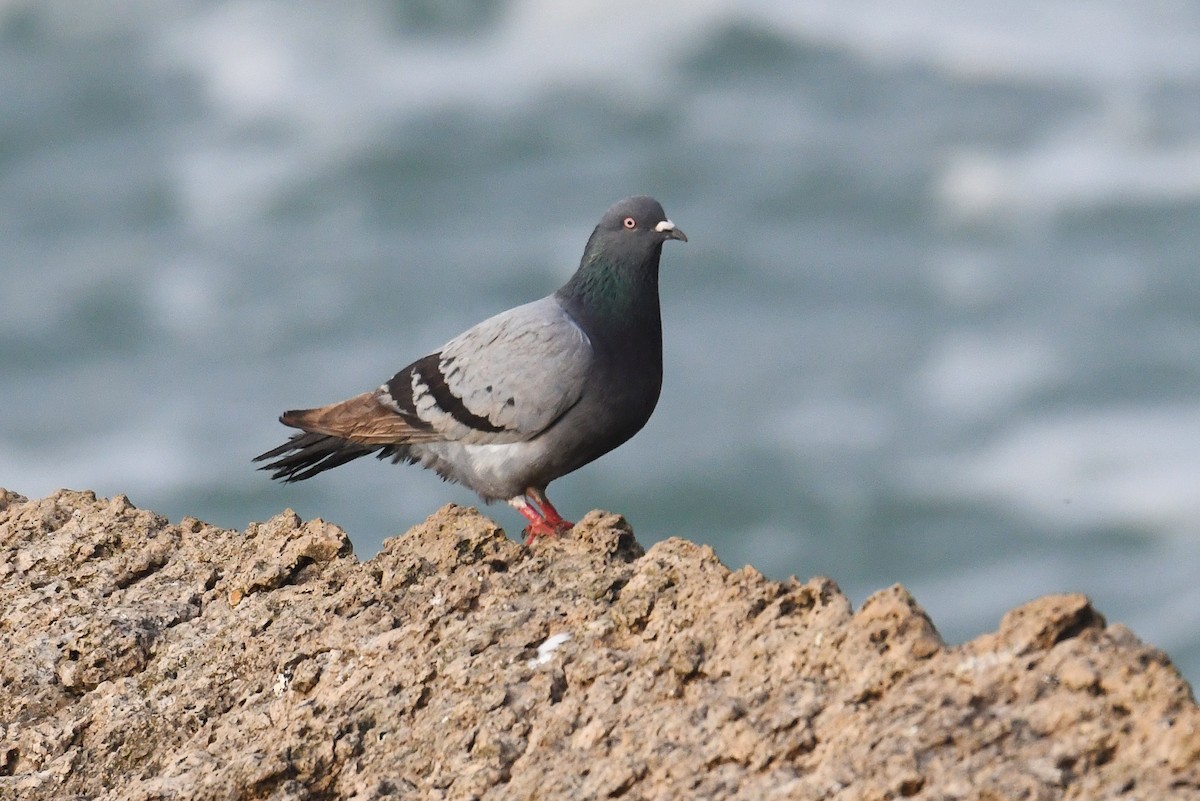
<point>630,222</point>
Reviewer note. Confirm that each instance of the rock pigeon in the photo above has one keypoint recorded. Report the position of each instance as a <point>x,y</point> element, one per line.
<point>523,397</point>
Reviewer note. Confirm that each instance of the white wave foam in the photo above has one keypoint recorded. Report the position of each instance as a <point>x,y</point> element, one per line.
<point>1088,167</point>
<point>1135,468</point>
<point>1096,43</point>
<point>973,375</point>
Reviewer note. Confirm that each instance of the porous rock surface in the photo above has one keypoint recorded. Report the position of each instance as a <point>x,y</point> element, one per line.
<point>149,660</point>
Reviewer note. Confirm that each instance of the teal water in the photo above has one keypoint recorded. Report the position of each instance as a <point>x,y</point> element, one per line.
<point>938,322</point>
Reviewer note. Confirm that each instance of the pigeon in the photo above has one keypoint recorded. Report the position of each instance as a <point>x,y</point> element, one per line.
<point>523,397</point>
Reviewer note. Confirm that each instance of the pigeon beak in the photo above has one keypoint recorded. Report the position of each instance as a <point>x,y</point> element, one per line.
<point>667,227</point>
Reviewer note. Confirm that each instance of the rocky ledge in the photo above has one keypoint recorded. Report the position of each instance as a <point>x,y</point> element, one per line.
<point>151,660</point>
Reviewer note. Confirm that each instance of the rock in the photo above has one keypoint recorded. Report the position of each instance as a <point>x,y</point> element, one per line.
<point>151,660</point>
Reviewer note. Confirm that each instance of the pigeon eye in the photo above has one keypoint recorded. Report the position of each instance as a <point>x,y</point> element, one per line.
<point>630,222</point>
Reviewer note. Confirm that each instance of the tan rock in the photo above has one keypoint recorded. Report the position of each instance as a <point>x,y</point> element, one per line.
<point>150,660</point>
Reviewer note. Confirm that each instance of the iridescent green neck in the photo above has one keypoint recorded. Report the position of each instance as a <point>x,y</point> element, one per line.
<point>614,288</point>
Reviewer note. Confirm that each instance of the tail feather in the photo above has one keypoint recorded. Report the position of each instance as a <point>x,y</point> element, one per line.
<point>306,454</point>
<point>342,432</point>
<point>362,420</point>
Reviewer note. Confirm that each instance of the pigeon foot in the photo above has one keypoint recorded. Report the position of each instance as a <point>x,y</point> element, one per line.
<point>544,519</point>
<point>542,529</point>
<point>549,513</point>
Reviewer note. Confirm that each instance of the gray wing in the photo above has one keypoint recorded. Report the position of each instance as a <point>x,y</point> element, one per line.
<point>505,380</point>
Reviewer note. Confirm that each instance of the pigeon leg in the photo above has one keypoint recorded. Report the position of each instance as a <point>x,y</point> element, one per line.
<point>538,526</point>
<point>549,513</point>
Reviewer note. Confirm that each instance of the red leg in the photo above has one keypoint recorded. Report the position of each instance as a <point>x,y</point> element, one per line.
<point>549,513</point>
<point>538,525</point>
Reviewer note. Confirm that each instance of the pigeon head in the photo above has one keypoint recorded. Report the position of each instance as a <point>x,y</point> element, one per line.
<point>618,274</point>
<point>637,221</point>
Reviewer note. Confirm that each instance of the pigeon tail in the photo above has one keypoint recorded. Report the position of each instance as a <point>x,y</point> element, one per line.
<point>306,454</point>
<point>342,432</point>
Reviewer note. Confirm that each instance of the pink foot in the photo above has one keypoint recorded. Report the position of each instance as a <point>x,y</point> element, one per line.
<point>549,513</point>
<point>540,528</point>
<point>544,519</point>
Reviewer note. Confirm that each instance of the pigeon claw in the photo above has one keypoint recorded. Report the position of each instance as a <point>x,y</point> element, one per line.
<point>543,529</point>
<point>544,519</point>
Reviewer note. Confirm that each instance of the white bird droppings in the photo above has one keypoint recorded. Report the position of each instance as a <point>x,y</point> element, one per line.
<point>546,650</point>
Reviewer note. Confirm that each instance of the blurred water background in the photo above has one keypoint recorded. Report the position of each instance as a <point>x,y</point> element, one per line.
<point>938,322</point>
